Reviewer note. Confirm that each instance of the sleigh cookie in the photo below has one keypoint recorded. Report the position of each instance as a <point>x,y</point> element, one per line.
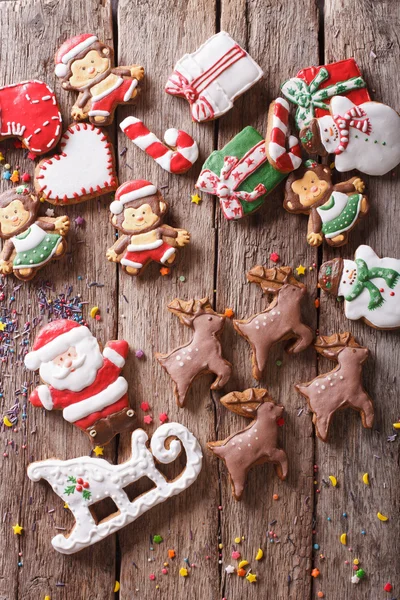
<point>369,284</point>
<point>281,320</point>
<point>81,380</point>
<point>203,354</point>
<point>334,210</point>
<point>365,137</point>
<point>85,481</point>
<point>254,445</point>
<point>85,65</point>
<point>340,388</point>
<point>31,242</point>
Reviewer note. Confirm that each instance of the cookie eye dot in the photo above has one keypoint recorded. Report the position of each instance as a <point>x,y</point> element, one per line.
<point>83,68</point>
<point>325,130</point>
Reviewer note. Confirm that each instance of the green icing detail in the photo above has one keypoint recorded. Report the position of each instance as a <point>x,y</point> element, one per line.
<point>347,217</point>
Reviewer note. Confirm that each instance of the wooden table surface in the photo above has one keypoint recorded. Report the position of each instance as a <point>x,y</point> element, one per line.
<point>282,36</point>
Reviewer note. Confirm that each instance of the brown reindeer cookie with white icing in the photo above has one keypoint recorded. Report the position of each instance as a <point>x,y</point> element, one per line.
<point>257,443</point>
<point>203,354</point>
<point>340,388</point>
<point>281,320</point>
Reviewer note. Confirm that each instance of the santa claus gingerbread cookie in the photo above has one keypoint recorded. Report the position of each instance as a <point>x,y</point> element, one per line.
<point>81,380</point>
<point>138,213</point>
<point>334,210</point>
<point>364,137</point>
<point>85,65</point>
<point>369,284</point>
<point>31,241</point>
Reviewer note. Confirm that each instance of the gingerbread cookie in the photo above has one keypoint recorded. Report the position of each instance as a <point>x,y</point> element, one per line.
<point>138,212</point>
<point>281,320</point>
<point>85,65</point>
<point>312,88</point>
<point>30,112</point>
<point>365,137</point>
<point>31,241</point>
<point>370,286</point>
<point>203,354</point>
<point>81,380</point>
<point>257,443</point>
<point>84,169</point>
<point>213,77</point>
<point>333,210</point>
<point>340,388</point>
<point>83,482</point>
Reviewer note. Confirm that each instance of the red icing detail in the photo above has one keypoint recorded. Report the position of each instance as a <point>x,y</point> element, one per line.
<point>156,150</point>
<point>281,112</point>
<point>136,130</point>
<point>278,137</point>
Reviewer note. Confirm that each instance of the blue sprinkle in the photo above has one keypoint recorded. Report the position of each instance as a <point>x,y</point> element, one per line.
<point>363,532</point>
<point>329,519</point>
<point>316,546</point>
<point>344,515</point>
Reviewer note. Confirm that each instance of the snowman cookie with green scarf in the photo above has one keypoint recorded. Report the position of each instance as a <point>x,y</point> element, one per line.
<point>334,210</point>
<point>369,284</point>
<point>30,241</point>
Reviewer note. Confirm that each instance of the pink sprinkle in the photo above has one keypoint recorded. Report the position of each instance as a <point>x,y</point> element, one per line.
<point>139,353</point>
<point>152,577</point>
<point>148,419</point>
<point>145,406</point>
<point>163,417</point>
<point>236,555</point>
<point>164,571</point>
<point>274,257</point>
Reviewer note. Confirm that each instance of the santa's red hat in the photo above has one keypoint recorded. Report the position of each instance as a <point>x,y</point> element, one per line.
<point>70,49</point>
<point>131,190</point>
<point>54,339</point>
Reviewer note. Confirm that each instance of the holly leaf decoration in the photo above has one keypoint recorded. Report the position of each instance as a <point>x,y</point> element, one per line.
<point>86,495</point>
<point>72,479</point>
<point>70,489</point>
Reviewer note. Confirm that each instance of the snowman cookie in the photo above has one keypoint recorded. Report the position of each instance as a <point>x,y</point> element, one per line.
<point>364,137</point>
<point>369,284</point>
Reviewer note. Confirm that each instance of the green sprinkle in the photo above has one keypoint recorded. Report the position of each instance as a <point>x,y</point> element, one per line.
<point>182,278</point>
<point>157,539</point>
<point>278,363</point>
<point>383,143</point>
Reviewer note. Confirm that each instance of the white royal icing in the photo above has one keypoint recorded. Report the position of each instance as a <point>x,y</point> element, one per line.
<point>385,316</point>
<point>108,480</point>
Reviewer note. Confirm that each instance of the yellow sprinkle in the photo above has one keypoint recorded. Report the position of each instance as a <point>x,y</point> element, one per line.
<point>1,157</point>
<point>2,326</point>
<point>333,480</point>
<point>252,577</point>
<point>17,529</point>
<point>396,425</point>
<point>196,198</point>
<point>94,311</point>
<point>259,554</point>
<point>243,563</point>
<point>220,546</point>
<point>343,539</point>
<point>47,598</point>
<point>98,450</point>
<point>157,587</point>
<point>7,422</point>
<point>183,572</point>
<point>365,478</point>
<point>116,586</point>
<point>300,270</point>
<point>66,505</point>
<point>238,540</point>
<point>356,561</point>
<point>382,517</point>
<point>165,564</point>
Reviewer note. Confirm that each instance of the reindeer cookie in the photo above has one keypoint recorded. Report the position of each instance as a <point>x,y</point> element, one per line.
<point>138,212</point>
<point>85,65</point>
<point>31,241</point>
<point>203,354</point>
<point>333,210</point>
<point>257,443</point>
<point>281,320</point>
<point>340,388</point>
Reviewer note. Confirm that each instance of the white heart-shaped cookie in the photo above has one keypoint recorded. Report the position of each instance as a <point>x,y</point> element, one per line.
<point>85,168</point>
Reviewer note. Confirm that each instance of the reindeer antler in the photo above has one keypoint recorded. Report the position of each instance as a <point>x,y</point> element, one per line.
<point>187,310</point>
<point>271,280</point>
<point>246,403</point>
<point>334,343</point>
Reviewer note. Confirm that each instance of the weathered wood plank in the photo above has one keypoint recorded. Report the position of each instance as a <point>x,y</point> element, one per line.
<point>188,523</point>
<point>353,450</point>
<point>31,33</point>
<point>273,35</point>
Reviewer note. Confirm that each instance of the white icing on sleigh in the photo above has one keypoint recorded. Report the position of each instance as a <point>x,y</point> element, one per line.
<point>107,480</point>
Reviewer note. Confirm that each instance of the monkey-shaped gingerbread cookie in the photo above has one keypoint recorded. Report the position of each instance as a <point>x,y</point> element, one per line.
<point>31,241</point>
<point>333,210</point>
<point>85,65</point>
<point>257,443</point>
<point>138,212</point>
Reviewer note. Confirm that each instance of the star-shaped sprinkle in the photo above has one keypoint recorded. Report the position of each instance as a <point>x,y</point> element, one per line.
<point>196,199</point>
<point>300,270</point>
<point>148,419</point>
<point>17,529</point>
<point>165,271</point>
<point>79,221</point>
<point>230,569</point>
<point>163,417</point>
<point>252,577</point>
<point>2,326</point>
<point>66,506</point>
<point>98,450</point>
<point>49,212</point>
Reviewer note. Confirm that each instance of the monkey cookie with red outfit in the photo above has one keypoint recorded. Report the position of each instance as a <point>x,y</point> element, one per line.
<point>81,380</point>
<point>85,65</point>
<point>138,213</point>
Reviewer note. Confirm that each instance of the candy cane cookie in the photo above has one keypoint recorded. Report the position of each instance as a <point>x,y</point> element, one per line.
<point>280,158</point>
<point>184,151</point>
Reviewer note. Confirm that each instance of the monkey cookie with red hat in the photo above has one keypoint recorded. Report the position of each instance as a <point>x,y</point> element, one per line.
<point>81,380</point>
<point>138,212</point>
<point>85,65</point>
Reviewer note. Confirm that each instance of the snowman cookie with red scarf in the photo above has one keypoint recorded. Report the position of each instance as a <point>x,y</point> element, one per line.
<point>81,380</point>
<point>85,65</point>
<point>364,137</point>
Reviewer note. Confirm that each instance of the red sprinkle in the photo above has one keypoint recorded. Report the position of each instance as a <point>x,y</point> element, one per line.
<point>388,587</point>
<point>163,417</point>
<point>274,257</point>
<point>145,406</point>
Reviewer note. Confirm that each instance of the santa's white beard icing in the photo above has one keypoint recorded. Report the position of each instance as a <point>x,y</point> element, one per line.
<point>378,297</point>
<point>374,151</point>
<point>85,366</point>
